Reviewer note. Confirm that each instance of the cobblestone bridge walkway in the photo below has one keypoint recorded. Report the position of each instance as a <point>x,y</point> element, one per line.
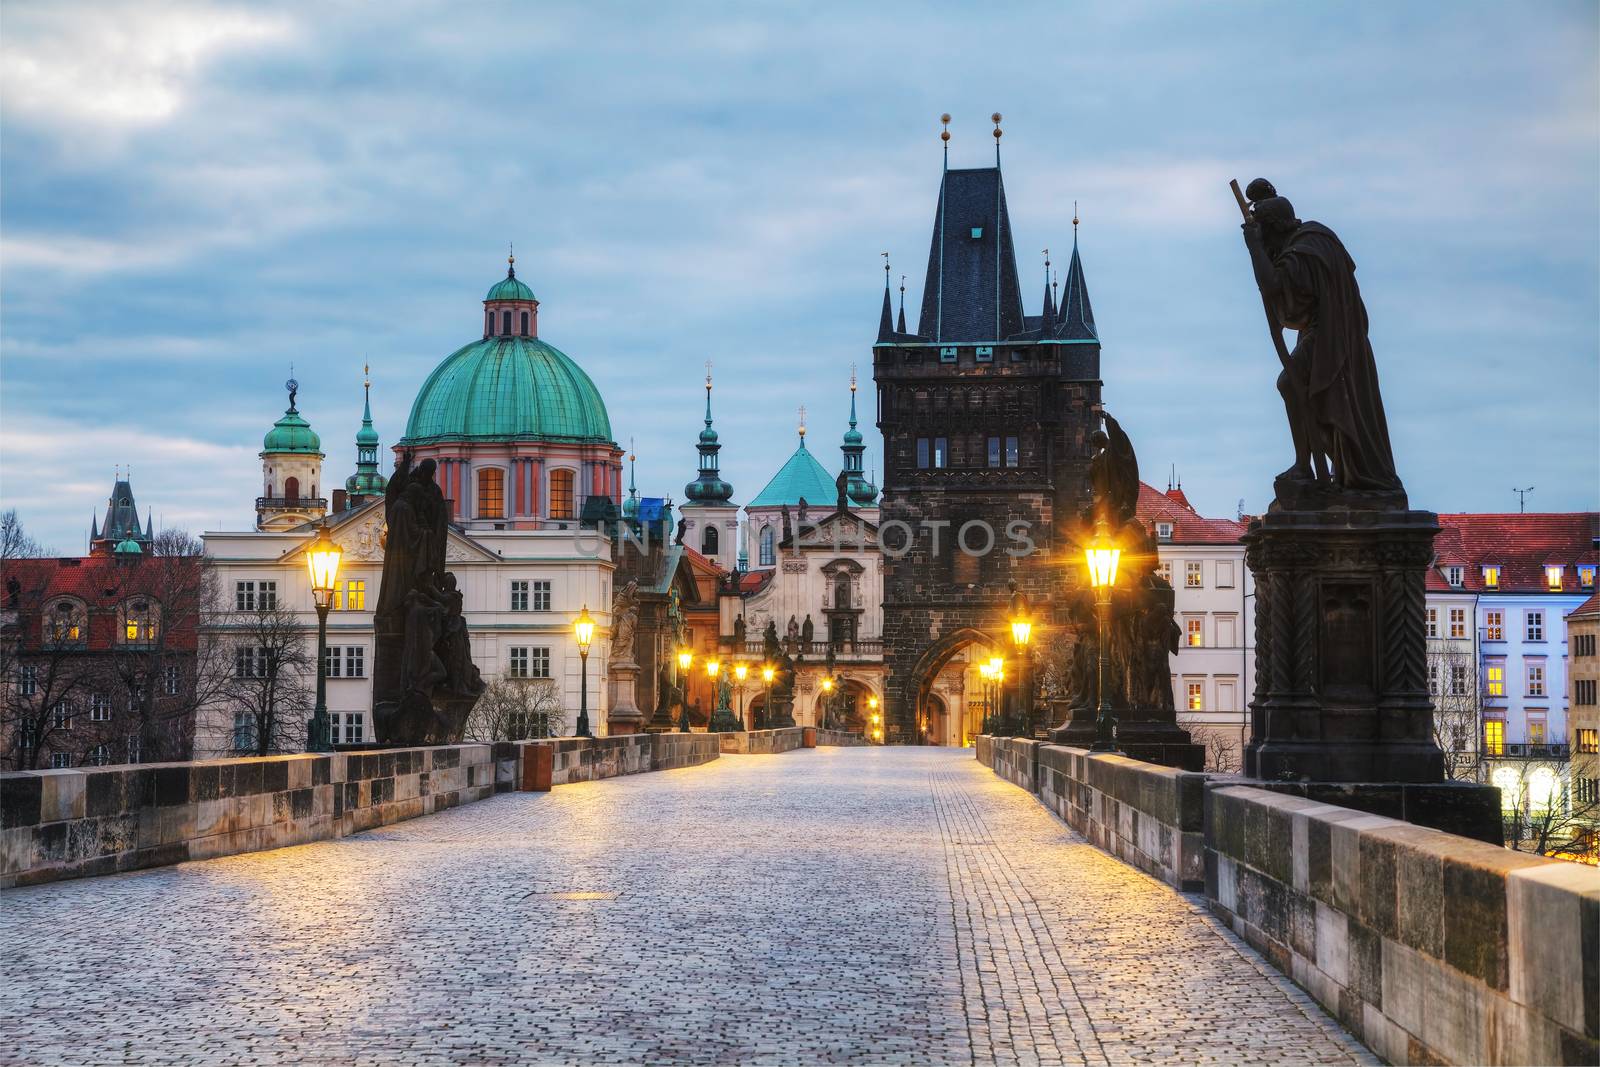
<point>826,906</point>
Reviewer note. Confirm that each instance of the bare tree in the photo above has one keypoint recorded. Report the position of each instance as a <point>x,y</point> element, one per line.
<point>266,676</point>
<point>1457,710</point>
<point>516,709</point>
<point>1545,815</point>
<point>1222,749</point>
<point>14,540</point>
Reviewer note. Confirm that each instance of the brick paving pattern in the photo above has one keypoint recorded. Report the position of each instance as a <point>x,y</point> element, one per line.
<point>829,906</point>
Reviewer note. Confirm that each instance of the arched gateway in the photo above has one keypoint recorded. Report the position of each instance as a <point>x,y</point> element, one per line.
<point>931,707</point>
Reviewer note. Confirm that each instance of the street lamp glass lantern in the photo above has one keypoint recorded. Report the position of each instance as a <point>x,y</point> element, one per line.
<point>872,702</point>
<point>996,665</point>
<point>827,685</point>
<point>685,659</point>
<point>712,667</point>
<point>741,670</point>
<point>767,673</point>
<point>1101,558</point>
<point>1021,630</point>
<point>583,627</point>
<point>322,561</point>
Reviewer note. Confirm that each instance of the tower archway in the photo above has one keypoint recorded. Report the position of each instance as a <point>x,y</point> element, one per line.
<point>930,710</point>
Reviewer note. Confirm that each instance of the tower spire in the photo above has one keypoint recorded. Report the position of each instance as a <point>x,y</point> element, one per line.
<point>997,132</point>
<point>368,480</point>
<point>858,490</point>
<point>900,327</point>
<point>511,260</point>
<point>944,135</point>
<point>1048,316</point>
<point>708,488</point>
<point>1074,314</point>
<point>886,317</point>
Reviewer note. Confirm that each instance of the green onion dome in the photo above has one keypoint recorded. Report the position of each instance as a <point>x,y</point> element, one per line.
<point>509,288</point>
<point>508,388</point>
<point>292,434</point>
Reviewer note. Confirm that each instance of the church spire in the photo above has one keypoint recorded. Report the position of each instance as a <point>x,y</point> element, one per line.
<point>1048,318</point>
<point>1075,314</point>
<point>900,327</point>
<point>886,319</point>
<point>858,490</point>
<point>368,480</point>
<point>708,488</point>
<point>630,506</point>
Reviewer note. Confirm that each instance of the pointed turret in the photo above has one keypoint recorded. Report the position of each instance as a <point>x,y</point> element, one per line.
<point>1047,320</point>
<point>708,488</point>
<point>630,506</point>
<point>971,293</point>
<point>368,480</point>
<point>121,522</point>
<point>900,326</point>
<point>1077,317</point>
<point>886,319</point>
<point>858,490</point>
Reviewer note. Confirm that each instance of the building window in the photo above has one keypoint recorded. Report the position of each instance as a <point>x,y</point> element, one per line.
<point>491,493</point>
<point>505,322</point>
<point>1163,531</point>
<point>250,661</point>
<point>1191,575</point>
<point>1224,574</point>
<point>994,452</point>
<point>1164,569</point>
<point>768,554</point>
<point>1495,679</point>
<point>347,727</point>
<point>1584,691</point>
<point>98,756</point>
<point>1589,742</point>
<point>1494,626</point>
<point>346,661</point>
<point>291,490</point>
<point>64,624</point>
<point>351,595</point>
<point>941,452</point>
<point>99,707</point>
<point>983,354</point>
<point>541,596</point>
<point>1586,790</point>
<point>1536,679</point>
<point>1013,456</point>
<point>1494,737</point>
<point>1194,632</point>
<point>924,453</point>
<point>1453,575</point>
<point>1458,622</point>
<point>1491,577</point>
<point>561,501</point>
<point>1433,679</point>
<point>1552,576</point>
<point>244,731</point>
<point>1535,621</point>
<point>519,596</point>
<point>530,662</point>
<point>488,323</point>
<point>1458,679</point>
<point>1431,623</point>
<point>60,760</point>
<point>947,355</point>
<point>133,748</point>
<point>524,324</point>
<point>1585,577</point>
<point>1195,699</point>
<point>1536,731</point>
<point>61,715</point>
<point>708,540</point>
<point>255,596</point>
<point>28,681</point>
<point>171,679</point>
<point>519,663</point>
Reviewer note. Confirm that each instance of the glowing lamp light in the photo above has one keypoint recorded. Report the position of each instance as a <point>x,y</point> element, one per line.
<point>827,685</point>
<point>322,561</point>
<point>996,665</point>
<point>1021,630</point>
<point>872,702</point>
<point>767,672</point>
<point>986,670</point>
<point>685,659</point>
<point>1101,558</point>
<point>740,670</point>
<point>583,627</point>
<point>712,667</point>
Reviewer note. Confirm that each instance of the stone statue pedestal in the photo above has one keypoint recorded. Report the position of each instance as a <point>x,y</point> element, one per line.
<point>724,721</point>
<point>623,716</point>
<point>1142,734</point>
<point>1341,687</point>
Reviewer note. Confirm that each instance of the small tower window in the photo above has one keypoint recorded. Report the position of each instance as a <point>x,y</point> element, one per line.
<point>524,324</point>
<point>291,489</point>
<point>561,495</point>
<point>491,493</point>
<point>708,541</point>
<point>505,323</point>
<point>488,323</point>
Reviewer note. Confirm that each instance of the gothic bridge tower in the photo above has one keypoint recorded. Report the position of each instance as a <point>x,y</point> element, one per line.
<point>986,414</point>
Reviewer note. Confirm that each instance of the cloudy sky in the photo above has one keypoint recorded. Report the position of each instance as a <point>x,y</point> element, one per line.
<point>194,197</point>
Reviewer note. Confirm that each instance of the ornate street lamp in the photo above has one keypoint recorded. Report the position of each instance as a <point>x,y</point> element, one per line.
<point>876,726</point>
<point>1021,635</point>
<point>740,672</point>
<point>322,560</point>
<point>583,627</point>
<point>827,704</point>
<point>986,673</point>
<point>685,661</point>
<point>1101,556</point>
<point>767,673</point>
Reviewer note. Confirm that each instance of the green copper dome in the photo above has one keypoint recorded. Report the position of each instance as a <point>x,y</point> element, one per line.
<point>801,476</point>
<point>508,389</point>
<point>128,547</point>
<point>292,433</point>
<point>509,288</point>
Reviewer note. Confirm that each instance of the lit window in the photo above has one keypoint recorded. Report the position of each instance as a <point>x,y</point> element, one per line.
<point>1552,576</point>
<point>1458,622</point>
<point>941,452</point>
<point>1191,575</point>
<point>1585,577</point>
<point>561,499</point>
<point>1431,625</point>
<point>1195,700</point>
<point>1589,741</point>
<point>1536,731</point>
<point>491,493</point>
<point>1164,569</point>
<point>1535,625</point>
<point>1494,737</point>
<point>1536,679</point>
<point>994,451</point>
<point>1195,632</point>
<point>1453,576</point>
<point>356,595</point>
<point>1496,680</point>
<point>1494,623</point>
<point>1491,577</point>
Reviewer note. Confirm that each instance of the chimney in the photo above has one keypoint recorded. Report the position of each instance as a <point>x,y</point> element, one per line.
<point>339,505</point>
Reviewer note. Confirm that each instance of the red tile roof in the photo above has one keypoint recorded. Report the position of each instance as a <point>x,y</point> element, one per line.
<point>27,587</point>
<point>1589,609</point>
<point>1521,545</point>
<point>1189,527</point>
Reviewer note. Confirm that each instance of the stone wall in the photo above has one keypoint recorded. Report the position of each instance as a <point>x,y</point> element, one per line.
<point>762,742</point>
<point>839,739</point>
<point>99,820</point>
<point>1016,759</point>
<point>1432,948</point>
<point>591,759</point>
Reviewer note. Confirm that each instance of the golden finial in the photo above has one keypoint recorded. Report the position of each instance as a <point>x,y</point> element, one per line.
<point>511,254</point>
<point>802,420</point>
<point>1074,220</point>
<point>995,118</point>
<point>366,374</point>
<point>852,377</point>
<point>708,375</point>
<point>944,134</point>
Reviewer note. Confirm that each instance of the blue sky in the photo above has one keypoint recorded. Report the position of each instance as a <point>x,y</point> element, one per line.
<point>192,197</point>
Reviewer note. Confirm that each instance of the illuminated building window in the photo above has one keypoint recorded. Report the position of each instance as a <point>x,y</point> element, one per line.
<point>1195,632</point>
<point>1585,577</point>
<point>1494,626</point>
<point>354,594</point>
<point>1552,577</point>
<point>1589,741</point>
<point>561,498</point>
<point>1491,577</point>
<point>1458,622</point>
<point>1536,731</point>
<point>1496,680</point>
<point>1432,623</point>
<point>1494,737</point>
<point>491,493</point>
<point>1195,699</point>
<point>768,553</point>
<point>1191,575</point>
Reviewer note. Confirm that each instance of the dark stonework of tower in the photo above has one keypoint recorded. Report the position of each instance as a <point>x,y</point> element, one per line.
<point>986,415</point>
